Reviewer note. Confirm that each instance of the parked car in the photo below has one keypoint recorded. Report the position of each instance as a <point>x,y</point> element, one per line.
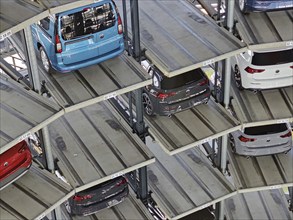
<point>263,69</point>
<point>264,5</point>
<point>262,140</point>
<point>14,163</point>
<point>167,96</point>
<point>79,37</point>
<point>104,195</point>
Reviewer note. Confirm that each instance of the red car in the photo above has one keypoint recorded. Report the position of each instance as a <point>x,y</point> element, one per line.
<point>14,163</point>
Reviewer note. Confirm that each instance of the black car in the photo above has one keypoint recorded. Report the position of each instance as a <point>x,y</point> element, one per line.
<point>104,195</point>
<point>167,96</point>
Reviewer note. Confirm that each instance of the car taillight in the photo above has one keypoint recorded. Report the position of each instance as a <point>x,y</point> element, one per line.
<point>165,95</point>
<point>81,198</point>
<point>121,182</point>
<point>289,134</point>
<point>252,71</point>
<point>58,44</point>
<point>120,27</point>
<point>291,67</point>
<point>244,139</point>
<point>202,83</point>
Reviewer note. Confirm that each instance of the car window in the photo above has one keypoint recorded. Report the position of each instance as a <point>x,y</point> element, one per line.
<point>44,23</point>
<point>182,79</point>
<point>87,21</point>
<point>265,129</point>
<point>272,58</point>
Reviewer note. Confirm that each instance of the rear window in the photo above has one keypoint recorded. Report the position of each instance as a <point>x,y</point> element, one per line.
<point>265,129</point>
<point>87,21</point>
<point>182,79</point>
<point>272,58</point>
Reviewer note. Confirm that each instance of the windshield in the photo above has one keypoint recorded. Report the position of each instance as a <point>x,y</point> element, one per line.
<point>272,58</point>
<point>87,21</point>
<point>265,129</point>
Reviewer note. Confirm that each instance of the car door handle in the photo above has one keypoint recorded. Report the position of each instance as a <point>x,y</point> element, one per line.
<point>102,36</point>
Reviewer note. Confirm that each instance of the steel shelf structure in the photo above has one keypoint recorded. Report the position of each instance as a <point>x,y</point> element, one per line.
<point>22,112</point>
<point>269,204</point>
<point>261,173</point>
<point>179,38</point>
<point>96,83</point>
<point>192,127</point>
<point>185,182</point>
<point>265,107</point>
<point>33,195</point>
<point>94,145</point>
<point>265,30</point>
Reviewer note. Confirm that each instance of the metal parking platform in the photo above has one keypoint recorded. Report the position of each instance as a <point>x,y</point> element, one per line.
<point>265,107</point>
<point>185,182</point>
<point>192,127</point>
<point>269,29</point>
<point>96,83</point>
<point>22,112</point>
<point>95,144</point>
<point>261,173</point>
<point>33,195</point>
<point>270,204</point>
<point>179,38</point>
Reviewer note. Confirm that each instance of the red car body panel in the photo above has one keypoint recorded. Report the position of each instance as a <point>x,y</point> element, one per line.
<point>14,162</point>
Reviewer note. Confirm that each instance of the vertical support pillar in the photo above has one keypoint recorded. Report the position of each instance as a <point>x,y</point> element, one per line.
<point>33,69</point>
<point>135,29</point>
<point>126,40</point>
<point>143,188</point>
<point>290,189</point>
<point>226,101</point>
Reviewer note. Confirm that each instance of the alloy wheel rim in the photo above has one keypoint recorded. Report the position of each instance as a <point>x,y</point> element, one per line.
<point>147,104</point>
<point>45,60</point>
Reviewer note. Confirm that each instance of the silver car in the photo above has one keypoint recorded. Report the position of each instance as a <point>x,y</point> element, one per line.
<point>262,140</point>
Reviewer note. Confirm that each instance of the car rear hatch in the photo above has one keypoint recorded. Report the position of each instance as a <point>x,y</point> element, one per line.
<point>183,87</point>
<point>88,32</point>
<point>101,192</point>
<point>267,136</point>
<point>272,65</point>
<point>13,158</point>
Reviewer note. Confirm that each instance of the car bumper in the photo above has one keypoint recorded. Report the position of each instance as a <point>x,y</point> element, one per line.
<point>166,109</point>
<point>13,177</point>
<point>267,84</point>
<point>262,151</point>
<point>62,68</point>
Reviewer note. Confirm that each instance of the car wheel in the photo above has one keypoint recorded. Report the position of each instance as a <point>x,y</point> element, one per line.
<point>237,77</point>
<point>67,206</point>
<point>147,104</point>
<point>243,6</point>
<point>232,143</point>
<point>45,60</point>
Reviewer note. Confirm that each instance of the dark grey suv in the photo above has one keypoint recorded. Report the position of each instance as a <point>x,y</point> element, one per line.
<point>167,96</point>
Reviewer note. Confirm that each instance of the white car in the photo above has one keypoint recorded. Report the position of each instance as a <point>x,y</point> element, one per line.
<point>263,69</point>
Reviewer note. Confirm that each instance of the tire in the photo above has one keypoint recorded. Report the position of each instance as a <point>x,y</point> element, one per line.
<point>237,77</point>
<point>147,104</point>
<point>243,6</point>
<point>45,60</point>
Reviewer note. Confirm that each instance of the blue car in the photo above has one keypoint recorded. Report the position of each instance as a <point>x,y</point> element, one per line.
<point>264,5</point>
<point>79,37</point>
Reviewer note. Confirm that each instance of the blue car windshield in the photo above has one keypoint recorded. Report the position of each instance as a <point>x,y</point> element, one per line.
<point>87,21</point>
